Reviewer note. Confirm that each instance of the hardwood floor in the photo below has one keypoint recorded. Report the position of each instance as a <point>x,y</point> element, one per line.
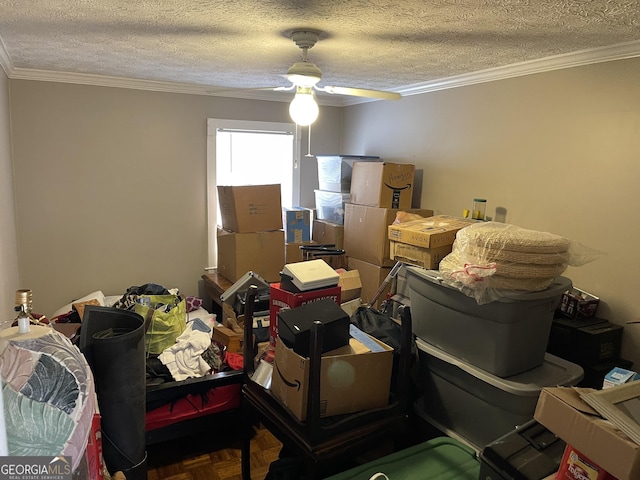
<point>214,456</point>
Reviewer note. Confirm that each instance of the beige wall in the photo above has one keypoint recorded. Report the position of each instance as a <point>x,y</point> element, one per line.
<point>9,278</point>
<point>111,185</point>
<point>111,182</point>
<point>560,151</point>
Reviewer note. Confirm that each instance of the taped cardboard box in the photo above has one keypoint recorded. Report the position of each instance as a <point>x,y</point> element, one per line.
<point>352,378</point>
<point>382,184</point>
<point>432,232</point>
<point>250,208</point>
<point>562,411</point>
<point>327,233</point>
<point>297,224</point>
<point>420,256</point>
<point>260,252</point>
<point>365,231</point>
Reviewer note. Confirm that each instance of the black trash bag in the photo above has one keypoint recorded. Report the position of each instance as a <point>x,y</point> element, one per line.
<point>381,326</point>
<point>384,328</point>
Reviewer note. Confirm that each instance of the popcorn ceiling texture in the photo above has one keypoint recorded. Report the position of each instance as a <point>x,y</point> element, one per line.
<point>379,44</point>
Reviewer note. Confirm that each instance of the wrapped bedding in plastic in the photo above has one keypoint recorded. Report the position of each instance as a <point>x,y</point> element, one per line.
<point>488,258</point>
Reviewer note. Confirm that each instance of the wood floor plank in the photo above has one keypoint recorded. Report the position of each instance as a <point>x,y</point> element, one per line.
<point>211,457</point>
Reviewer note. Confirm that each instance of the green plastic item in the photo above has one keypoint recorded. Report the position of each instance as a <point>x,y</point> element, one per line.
<point>440,458</point>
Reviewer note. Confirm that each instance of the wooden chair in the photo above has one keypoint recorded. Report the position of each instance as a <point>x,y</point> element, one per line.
<point>323,443</point>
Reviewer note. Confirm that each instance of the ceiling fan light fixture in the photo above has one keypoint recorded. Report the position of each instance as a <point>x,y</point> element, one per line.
<point>304,108</point>
<point>304,74</point>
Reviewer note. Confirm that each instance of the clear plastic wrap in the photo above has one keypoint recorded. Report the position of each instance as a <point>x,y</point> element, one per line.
<point>490,259</point>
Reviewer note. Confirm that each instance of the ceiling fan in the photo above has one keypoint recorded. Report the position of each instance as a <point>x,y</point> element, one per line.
<point>305,76</point>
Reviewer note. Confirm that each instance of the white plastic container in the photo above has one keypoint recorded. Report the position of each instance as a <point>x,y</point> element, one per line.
<point>330,206</point>
<point>478,406</point>
<point>504,337</point>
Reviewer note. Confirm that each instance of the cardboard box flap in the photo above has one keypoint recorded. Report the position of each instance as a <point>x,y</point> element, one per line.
<point>591,435</point>
<point>571,396</point>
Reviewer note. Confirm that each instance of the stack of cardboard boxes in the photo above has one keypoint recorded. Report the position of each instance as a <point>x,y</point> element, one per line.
<point>379,190</point>
<point>251,237</point>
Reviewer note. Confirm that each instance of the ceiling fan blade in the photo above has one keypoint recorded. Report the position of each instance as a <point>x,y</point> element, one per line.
<point>361,92</point>
<point>278,89</point>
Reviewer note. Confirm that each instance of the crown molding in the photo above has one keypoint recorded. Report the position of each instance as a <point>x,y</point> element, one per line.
<point>619,51</point>
<point>5,59</point>
<point>557,62</point>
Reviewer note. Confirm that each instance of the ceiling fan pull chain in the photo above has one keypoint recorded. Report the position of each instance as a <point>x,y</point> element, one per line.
<point>309,143</point>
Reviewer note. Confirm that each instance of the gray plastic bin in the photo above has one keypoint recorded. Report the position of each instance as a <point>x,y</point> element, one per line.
<point>504,337</point>
<point>481,407</point>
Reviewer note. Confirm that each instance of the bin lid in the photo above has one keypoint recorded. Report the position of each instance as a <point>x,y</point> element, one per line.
<point>554,371</point>
<point>557,288</point>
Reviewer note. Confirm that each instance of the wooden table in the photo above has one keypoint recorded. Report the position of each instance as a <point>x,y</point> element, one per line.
<point>215,285</point>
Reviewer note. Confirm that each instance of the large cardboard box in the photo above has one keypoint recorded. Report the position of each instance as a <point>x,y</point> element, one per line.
<point>372,277</point>
<point>334,171</point>
<point>352,378</point>
<point>562,411</point>
<point>260,252</point>
<point>365,231</point>
<point>327,233</point>
<point>250,208</point>
<point>418,256</point>
<point>432,232</point>
<point>382,184</point>
<point>297,224</point>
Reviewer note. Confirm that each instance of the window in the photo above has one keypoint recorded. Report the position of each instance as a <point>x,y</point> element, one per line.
<point>250,153</point>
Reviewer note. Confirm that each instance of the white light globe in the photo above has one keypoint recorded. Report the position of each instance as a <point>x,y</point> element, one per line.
<point>303,109</point>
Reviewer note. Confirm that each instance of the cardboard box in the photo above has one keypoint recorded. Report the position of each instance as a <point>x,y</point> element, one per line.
<point>327,233</point>
<point>260,252</point>
<point>366,232</point>
<point>232,340</point>
<point>372,276</point>
<point>578,303</point>
<point>352,378</point>
<point>575,466</point>
<point>279,299</point>
<point>350,284</point>
<point>293,253</point>
<point>250,208</point>
<point>562,411</point>
<point>297,224</point>
<point>334,171</point>
<point>420,256</point>
<point>432,232</point>
<point>382,184</point>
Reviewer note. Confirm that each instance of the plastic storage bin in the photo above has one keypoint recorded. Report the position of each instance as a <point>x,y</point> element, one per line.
<point>334,171</point>
<point>478,406</point>
<point>440,458</point>
<point>504,337</point>
<point>330,206</point>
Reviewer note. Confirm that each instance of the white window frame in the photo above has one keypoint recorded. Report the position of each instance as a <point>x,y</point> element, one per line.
<point>213,124</point>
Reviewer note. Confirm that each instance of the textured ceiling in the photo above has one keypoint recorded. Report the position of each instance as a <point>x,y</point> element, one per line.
<point>377,44</point>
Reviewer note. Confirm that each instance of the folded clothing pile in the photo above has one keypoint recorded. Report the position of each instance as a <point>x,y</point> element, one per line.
<point>502,256</point>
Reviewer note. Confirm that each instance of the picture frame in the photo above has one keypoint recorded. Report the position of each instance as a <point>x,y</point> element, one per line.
<point>620,405</point>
